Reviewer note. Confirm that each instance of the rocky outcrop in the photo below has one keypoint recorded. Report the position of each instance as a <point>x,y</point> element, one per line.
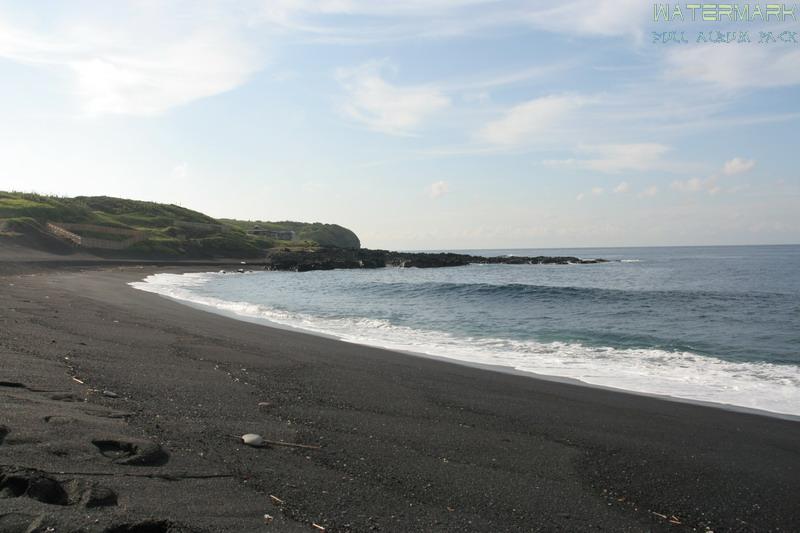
<point>332,258</point>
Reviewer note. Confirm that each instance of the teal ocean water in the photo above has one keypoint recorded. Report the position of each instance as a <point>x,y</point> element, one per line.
<point>717,324</point>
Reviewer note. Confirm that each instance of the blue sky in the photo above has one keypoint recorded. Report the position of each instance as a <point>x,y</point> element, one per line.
<point>418,124</point>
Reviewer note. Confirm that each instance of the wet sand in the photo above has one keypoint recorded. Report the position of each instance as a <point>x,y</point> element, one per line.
<point>405,443</point>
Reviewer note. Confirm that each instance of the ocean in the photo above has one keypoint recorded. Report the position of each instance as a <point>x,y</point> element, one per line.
<point>712,324</point>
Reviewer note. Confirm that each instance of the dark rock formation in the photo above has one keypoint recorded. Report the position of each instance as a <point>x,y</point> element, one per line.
<point>331,258</point>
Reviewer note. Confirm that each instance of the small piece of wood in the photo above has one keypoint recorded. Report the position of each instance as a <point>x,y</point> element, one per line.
<point>264,442</point>
<point>292,445</point>
<point>275,499</point>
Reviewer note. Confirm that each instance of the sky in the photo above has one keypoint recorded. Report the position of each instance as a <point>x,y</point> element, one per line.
<point>423,124</point>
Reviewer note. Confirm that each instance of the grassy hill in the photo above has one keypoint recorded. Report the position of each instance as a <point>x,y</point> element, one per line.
<point>168,230</point>
<point>326,235</point>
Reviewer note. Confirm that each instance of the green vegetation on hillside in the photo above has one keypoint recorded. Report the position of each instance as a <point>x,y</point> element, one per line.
<point>326,235</point>
<point>170,230</point>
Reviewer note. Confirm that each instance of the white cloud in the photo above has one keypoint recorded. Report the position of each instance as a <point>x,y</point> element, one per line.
<point>604,18</point>
<point>623,187</point>
<point>711,185</point>
<point>649,192</point>
<point>690,185</point>
<point>479,97</point>
<point>594,191</point>
<point>437,189</point>
<point>616,158</point>
<point>385,107</point>
<point>737,165</point>
<point>282,10</point>
<point>180,171</point>
<point>532,120</point>
<point>735,67</point>
<point>149,83</point>
<point>151,63</point>
<point>370,21</point>
<point>489,80</point>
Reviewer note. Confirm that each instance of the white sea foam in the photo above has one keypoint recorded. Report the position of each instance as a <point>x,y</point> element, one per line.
<point>756,385</point>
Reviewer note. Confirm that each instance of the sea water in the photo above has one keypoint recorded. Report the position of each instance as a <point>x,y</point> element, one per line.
<point>714,324</point>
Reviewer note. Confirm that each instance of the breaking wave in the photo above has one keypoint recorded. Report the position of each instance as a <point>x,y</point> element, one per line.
<point>679,373</point>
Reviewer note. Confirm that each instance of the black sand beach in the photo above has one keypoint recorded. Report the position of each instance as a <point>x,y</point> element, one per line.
<point>405,443</point>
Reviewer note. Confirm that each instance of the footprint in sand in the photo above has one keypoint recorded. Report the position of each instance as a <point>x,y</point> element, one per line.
<point>132,452</point>
<point>40,487</point>
<point>65,397</point>
<point>149,526</point>
<point>58,420</point>
<point>106,413</point>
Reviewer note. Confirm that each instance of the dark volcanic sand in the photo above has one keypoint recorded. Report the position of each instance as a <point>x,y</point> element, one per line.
<point>408,443</point>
